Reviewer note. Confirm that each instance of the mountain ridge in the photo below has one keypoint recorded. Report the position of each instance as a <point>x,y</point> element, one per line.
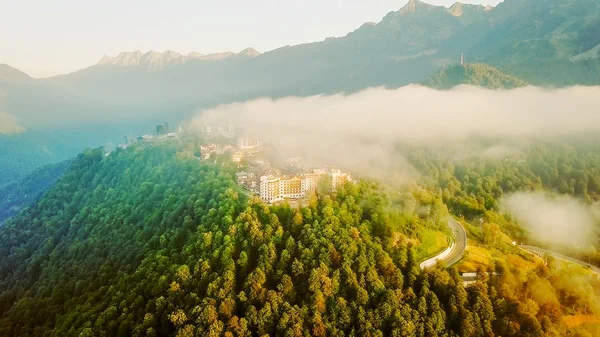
<point>11,74</point>
<point>406,46</point>
<point>158,60</point>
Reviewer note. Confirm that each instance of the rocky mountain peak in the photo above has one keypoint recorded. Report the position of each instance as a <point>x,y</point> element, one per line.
<point>154,60</point>
<point>250,52</point>
<point>459,8</point>
<point>414,6</point>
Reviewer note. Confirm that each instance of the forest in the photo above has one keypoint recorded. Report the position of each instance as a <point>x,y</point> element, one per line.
<point>151,241</point>
<point>23,192</point>
<point>473,185</point>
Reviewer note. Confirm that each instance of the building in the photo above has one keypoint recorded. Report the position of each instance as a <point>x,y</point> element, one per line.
<point>248,143</point>
<point>207,150</point>
<point>129,139</point>
<point>291,188</point>
<point>242,177</point>
<point>270,189</point>
<point>215,131</point>
<point>338,178</point>
<point>275,188</point>
<point>145,138</point>
<point>162,129</point>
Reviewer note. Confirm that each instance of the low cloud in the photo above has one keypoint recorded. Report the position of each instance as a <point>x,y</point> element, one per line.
<point>364,128</point>
<point>553,220</point>
<point>9,125</point>
<point>502,152</point>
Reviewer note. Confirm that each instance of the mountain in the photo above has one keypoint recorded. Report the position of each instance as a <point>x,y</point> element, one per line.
<point>551,43</point>
<point>249,52</point>
<point>150,241</point>
<point>478,74</point>
<point>414,6</point>
<point>548,43</point>
<point>468,13</point>
<point>9,74</point>
<point>154,61</point>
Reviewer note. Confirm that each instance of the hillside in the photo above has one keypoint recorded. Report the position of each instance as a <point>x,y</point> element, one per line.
<point>23,192</point>
<point>25,152</point>
<point>9,74</point>
<point>477,74</point>
<point>152,242</point>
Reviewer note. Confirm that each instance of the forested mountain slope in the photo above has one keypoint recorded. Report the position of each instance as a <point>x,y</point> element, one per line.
<point>23,192</point>
<point>474,186</point>
<point>153,242</point>
<point>23,153</point>
<point>478,74</point>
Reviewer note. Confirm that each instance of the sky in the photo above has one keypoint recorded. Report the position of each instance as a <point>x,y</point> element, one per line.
<point>46,38</point>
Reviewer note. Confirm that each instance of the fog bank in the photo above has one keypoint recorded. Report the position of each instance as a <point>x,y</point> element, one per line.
<point>362,129</point>
<point>553,220</point>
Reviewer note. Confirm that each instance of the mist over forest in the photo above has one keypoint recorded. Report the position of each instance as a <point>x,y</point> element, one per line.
<point>436,173</point>
<point>361,131</point>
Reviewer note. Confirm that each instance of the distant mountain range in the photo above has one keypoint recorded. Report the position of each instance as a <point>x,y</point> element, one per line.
<point>541,42</point>
<point>157,61</point>
<point>544,42</point>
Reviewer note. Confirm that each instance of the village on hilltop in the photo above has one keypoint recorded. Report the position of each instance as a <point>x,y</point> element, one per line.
<point>255,173</point>
<point>258,175</point>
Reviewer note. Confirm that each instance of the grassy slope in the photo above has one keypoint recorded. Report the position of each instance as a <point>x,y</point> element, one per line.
<point>432,243</point>
<point>480,254</point>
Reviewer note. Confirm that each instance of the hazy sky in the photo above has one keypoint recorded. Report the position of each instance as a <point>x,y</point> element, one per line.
<point>44,38</point>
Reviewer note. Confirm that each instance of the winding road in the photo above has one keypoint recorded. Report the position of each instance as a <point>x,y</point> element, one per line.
<point>542,252</point>
<point>453,253</point>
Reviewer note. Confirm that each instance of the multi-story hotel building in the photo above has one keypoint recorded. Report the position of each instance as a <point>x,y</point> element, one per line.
<point>270,189</point>
<point>275,188</point>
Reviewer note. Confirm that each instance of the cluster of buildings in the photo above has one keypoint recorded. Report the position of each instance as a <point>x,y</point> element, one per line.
<point>212,131</point>
<point>275,188</point>
<point>272,187</point>
<point>162,132</point>
<point>244,145</point>
<point>208,149</point>
<point>248,180</point>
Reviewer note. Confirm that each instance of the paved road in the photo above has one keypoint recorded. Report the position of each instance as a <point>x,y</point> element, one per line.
<point>542,252</point>
<point>460,240</point>
<point>454,253</point>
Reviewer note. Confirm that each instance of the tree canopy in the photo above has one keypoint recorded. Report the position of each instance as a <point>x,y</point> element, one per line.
<point>151,241</point>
